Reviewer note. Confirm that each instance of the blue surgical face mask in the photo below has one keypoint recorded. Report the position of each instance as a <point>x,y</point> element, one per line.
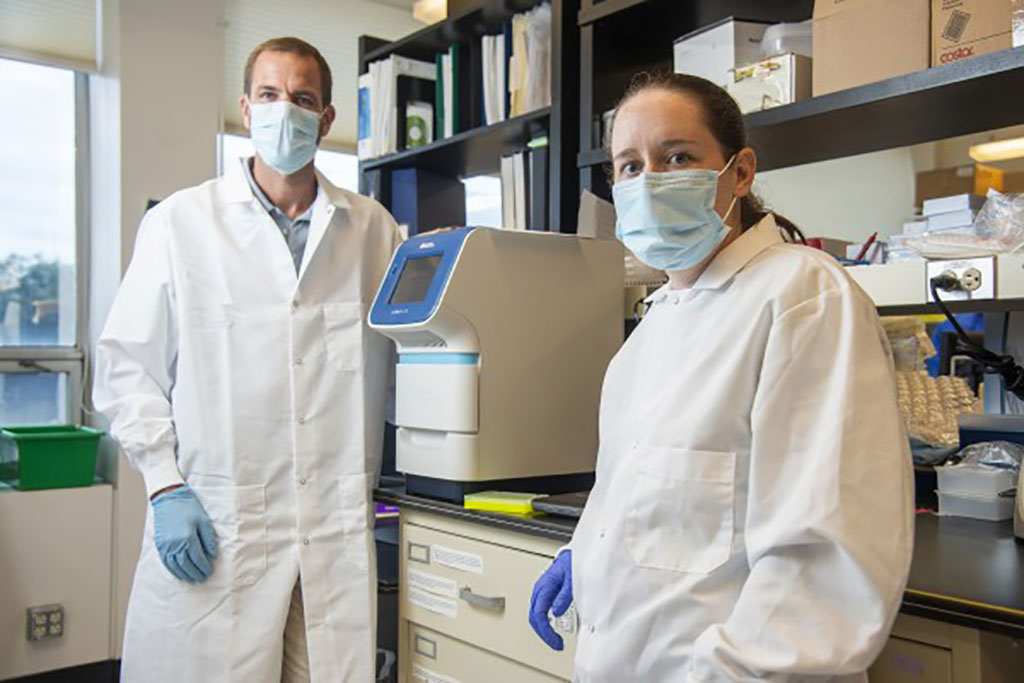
<point>284,135</point>
<point>668,220</point>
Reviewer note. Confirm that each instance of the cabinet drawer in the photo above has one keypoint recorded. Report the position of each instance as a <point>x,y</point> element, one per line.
<point>905,661</point>
<point>479,593</point>
<point>437,658</point>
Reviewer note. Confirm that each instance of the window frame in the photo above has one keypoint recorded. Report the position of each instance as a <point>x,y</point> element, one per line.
<point>68,359</point>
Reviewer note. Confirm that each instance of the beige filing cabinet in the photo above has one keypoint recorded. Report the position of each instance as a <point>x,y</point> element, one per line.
<point>925,651</point>
<point>465,597</point>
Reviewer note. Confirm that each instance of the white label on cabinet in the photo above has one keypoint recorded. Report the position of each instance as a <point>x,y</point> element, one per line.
<point>434,603</point>
<point>421,675</point>
<point>432,583</point>
<point>456,559</point>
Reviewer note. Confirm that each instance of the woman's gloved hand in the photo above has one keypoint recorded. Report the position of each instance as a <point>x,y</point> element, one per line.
<point>553,591</point>
<point>184,535</point>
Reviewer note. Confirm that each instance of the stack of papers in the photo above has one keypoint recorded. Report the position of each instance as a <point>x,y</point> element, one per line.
<point>495,74</point>
<point>529,68</point>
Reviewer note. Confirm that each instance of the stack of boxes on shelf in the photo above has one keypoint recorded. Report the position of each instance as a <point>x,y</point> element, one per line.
<point>855,42</point>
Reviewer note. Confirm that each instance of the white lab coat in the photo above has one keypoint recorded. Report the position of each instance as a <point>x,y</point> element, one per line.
<point>265,392</point>
<point>752,515</point>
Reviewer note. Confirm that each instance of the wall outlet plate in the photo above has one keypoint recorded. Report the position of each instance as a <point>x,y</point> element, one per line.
<point>978,276</point>
<point>44,622</point>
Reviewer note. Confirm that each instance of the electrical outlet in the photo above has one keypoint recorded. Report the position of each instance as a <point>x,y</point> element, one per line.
<point>976,276</point>
<point>970,279</point>
<point>45,622</point>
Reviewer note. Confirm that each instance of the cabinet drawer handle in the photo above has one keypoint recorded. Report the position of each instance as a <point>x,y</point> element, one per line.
<point>482,601</point>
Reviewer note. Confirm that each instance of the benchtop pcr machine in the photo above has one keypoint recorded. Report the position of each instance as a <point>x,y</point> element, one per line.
<point>503,339</point>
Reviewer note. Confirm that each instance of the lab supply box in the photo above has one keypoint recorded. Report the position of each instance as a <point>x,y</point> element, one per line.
<point>771,82</point>
<point>962,480</point>
<point>962,29</point>
<point>713,52</point>
<point>991,508</point>
<point>864,41</point>
<point>48,457</point>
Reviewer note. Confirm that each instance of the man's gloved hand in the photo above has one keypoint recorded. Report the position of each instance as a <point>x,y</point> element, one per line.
<point>553,591</point>
<point>184,534</point>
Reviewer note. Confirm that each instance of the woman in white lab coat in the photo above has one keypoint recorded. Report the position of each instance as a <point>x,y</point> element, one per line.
<point>752,517</point>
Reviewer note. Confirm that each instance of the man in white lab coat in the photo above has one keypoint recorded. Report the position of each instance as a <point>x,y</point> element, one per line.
<point>241,379</point>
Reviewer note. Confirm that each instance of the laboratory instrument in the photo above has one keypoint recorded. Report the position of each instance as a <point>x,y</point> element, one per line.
<point>503,338</point>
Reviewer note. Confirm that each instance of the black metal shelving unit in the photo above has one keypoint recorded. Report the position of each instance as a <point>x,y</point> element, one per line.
<point>478,149</point>
<point>966,97</point>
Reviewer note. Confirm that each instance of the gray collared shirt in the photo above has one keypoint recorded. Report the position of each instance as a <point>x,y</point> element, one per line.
<point>295,231</point>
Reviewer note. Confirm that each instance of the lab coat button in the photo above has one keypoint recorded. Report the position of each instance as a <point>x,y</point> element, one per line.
<point>298,361</point>
<point>302,481</point>
<point>591,628</point>
<point>302,420</point>
<point>601,533</point>
<point>305,541</point>
<point>295,305</point>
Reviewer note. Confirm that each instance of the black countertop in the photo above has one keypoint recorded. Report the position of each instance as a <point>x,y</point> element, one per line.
<point>965,571</point>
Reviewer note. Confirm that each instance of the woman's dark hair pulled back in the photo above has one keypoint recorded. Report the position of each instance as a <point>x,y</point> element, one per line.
<point>723,118</point>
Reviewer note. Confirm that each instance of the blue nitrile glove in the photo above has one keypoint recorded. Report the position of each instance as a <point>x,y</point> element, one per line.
<point>184,535</point>
<point>553,591</point>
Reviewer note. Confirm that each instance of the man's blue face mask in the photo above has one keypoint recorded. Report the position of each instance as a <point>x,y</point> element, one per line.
<point>668,220</point>
<point>284,135</point>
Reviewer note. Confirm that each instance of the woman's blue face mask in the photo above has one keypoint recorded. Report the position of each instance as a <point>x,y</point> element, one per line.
<point>668,220</point>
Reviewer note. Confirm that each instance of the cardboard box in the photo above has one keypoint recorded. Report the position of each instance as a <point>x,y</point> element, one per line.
<point>864,41</point>
<point>771,82</point>
<point>714,51</point>
<point>976,179</point>
<point>962,29</point>
<point>1013,182</point>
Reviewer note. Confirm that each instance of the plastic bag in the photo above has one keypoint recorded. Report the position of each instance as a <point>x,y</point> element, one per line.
<point>1003,455</point>
<point>997,229</point>
<point>909,342</point>
<point>1002,219</point>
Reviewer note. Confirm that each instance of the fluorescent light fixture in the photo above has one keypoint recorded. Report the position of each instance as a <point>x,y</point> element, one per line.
<point>1000,150</point>
<point>430,11</point>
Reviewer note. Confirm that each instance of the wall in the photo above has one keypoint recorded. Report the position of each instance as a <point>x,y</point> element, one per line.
<point>847,198</point>
<point>155,114</point>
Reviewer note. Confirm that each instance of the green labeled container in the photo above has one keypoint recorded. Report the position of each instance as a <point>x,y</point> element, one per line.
<point>48,457</point>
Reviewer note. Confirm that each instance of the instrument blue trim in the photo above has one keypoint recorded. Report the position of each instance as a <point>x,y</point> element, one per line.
<point>444,244</point>
<point>439,358</point>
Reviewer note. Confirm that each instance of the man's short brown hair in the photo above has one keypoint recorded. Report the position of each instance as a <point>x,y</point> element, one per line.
<point>295,46</point>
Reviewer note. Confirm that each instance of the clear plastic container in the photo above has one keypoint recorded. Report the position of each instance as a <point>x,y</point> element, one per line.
<point>975,480</point>
<point>994,509</point>
<point>782,38</point>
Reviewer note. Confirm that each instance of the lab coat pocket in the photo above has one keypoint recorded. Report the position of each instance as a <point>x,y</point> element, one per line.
<point>343,335</point>
<point>354,501</point>
<point>239,518</point>
<point>680,515</point>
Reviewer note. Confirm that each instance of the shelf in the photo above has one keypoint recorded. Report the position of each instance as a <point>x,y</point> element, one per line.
<point>606,9</point>
<point>967,97</point>
<point>974,95</point>
<point>470,153</point>
<point>987,306</point>
<point>473,22</point>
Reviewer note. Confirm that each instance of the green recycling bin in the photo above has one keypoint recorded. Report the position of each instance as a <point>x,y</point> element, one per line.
<point>48,457</point>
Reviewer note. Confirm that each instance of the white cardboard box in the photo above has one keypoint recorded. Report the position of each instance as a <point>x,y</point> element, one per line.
<point>714,51</point>
<point>771,82</point>
<point>892,284</point>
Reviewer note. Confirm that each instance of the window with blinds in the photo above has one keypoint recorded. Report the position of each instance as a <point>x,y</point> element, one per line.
<point>51,32</point>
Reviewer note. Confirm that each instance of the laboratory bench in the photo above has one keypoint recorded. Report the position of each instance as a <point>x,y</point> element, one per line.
<point>962,618</point>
